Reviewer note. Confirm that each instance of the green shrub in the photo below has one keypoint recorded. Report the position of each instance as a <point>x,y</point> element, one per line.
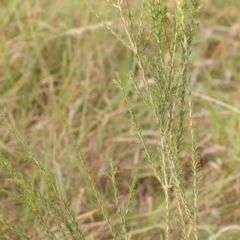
<point>160,38</point>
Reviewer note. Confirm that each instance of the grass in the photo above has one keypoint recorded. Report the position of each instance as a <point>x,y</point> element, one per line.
<point>45,68</point>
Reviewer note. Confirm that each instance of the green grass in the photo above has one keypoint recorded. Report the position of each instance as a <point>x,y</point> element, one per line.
<point>43,69</point>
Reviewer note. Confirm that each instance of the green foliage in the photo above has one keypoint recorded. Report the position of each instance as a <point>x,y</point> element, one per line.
<point>161,43</point>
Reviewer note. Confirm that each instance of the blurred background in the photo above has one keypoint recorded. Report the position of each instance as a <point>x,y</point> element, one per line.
<point>55,55</point>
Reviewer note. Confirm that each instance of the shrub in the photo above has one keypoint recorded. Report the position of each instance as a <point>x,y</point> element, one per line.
<point>161,43</point>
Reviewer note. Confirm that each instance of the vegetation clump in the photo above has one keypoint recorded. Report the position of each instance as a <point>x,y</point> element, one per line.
<point>160,38</point>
